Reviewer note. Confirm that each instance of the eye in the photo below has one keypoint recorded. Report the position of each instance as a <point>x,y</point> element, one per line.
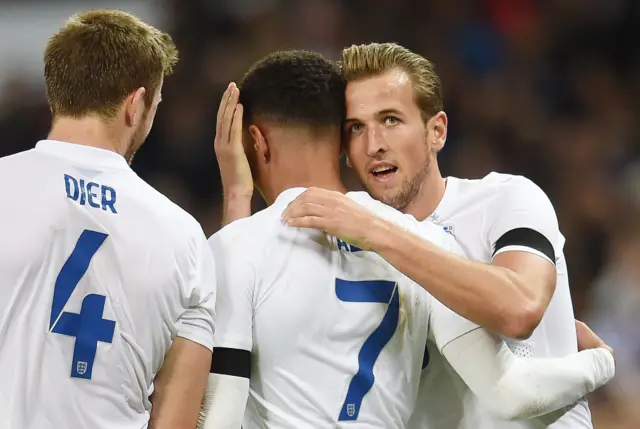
<point>391,121</point>
<point>354,128</point>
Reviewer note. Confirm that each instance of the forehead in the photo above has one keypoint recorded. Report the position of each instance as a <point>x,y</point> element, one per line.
<point>392,90</point>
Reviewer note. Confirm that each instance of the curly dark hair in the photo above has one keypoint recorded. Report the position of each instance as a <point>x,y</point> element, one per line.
<point>294,88</point>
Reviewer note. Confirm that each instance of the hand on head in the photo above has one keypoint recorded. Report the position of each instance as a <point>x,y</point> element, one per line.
<point>232,160</point>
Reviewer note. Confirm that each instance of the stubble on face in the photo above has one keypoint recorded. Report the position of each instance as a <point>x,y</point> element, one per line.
<point>410,190</point>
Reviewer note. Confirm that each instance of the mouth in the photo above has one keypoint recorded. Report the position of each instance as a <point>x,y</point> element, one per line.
<point>384,172</point>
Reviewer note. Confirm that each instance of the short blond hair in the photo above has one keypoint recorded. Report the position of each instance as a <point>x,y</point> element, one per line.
<point>99,57</point>
<point>374,59</point>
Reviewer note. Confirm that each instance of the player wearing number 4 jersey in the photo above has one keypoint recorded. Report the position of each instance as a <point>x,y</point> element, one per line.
<point>107,287</point>
<point>319,333</point>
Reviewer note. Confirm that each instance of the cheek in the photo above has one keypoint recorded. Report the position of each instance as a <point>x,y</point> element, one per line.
<point>356,154</point>
<point>410,147</point>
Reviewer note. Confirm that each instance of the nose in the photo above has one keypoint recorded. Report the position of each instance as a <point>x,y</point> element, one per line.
<point>376,143</point>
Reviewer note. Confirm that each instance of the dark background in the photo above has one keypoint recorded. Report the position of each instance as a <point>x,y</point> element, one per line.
<point>547,89</point>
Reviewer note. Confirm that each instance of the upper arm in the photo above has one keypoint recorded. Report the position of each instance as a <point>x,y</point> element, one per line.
<point>196,323</point>
<point>523,234</point>
<point>179,386</point>
<point>234,306</point>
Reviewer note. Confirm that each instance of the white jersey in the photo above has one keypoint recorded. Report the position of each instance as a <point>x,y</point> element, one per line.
<point>98,272</point>
<point>489,216</point>
<point>337,335</point>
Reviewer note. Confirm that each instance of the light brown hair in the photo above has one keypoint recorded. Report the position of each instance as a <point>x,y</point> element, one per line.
<point>99,57</point>
<point>374,59</point>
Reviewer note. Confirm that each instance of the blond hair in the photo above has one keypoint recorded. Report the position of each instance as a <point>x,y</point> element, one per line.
<point>99,57</point>
<point>374,59</point>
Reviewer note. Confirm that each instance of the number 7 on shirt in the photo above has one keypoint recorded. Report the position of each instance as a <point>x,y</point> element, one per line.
<point>380,291</point>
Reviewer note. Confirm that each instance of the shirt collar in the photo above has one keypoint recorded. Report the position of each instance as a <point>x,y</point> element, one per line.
<point>450,193</point>
<point>288,195</point>
<point>86,155</point>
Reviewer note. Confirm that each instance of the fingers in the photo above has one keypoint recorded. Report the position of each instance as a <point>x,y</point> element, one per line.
<point>314,222</point>
<point>226,113</point>
<point>299,209</point>
<point>315,196</point>
<point>223,105</point>
<point>236,126</point>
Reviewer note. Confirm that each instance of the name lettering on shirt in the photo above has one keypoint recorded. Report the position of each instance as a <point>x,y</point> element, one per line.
<point>94,194</point>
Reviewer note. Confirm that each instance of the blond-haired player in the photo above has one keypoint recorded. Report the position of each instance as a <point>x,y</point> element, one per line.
<point>516,282</point>
<point>107,286</point>
<point>322,334</point>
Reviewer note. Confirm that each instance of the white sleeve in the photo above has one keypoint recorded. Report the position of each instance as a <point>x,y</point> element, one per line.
<point>514,388</point>
<point>521,217</point>
<point>196,323</point>
<point>225,400</point>
<point>236,277</point>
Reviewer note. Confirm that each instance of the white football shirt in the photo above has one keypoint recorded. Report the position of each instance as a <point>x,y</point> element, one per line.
<point>337,335</point>
<point>98,273</point>
<point>478,213</point>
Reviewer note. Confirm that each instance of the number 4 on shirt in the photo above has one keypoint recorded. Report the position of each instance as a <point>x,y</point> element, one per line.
<point>384,292</point>
<point>88,327</point>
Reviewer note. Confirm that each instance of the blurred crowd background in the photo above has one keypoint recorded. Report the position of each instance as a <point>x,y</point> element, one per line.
<point>549,89</point>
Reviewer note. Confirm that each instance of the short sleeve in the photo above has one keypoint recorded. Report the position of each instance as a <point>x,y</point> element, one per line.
<point>196,323</point>
<point>235,286</point>
<point>521,217</point>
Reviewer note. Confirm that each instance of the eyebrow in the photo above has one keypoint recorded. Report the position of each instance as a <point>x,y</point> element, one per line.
<point>380,113</point>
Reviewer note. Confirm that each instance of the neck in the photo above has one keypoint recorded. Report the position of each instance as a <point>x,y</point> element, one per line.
<point>430,194</point>
<point>87,131</point>
<point>312,170</point>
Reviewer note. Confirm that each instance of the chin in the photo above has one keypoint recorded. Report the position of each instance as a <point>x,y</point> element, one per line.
<point>381,194</point>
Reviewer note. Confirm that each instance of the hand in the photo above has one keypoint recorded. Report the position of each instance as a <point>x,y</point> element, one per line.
<point>232,160</point>
<point>334,213</point>
<point>587,339</point>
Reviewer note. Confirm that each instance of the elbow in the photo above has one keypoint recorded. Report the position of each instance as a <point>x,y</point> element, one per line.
<point>522,321</point>
<point>509,412</point>
<point>513,404</point>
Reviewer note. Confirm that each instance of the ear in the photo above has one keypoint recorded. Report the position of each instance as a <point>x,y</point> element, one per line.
<point>437,130</point>
<point>134,107</point>
<point>348,161</point>
<point>259,144</point>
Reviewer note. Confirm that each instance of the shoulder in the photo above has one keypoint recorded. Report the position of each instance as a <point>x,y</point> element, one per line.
<point>515,193</point>
<point>501,193</point>
<point>160,209</point>
<point>174,229</point>
<point>494,184</point>
<point>384,211</point>
<point>500,183</point>
<point>248,236</point>
<point>427,230</point>
<point>21,162</point>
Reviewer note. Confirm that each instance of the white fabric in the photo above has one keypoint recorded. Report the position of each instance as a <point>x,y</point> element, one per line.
<point>279,298</point>
<point>477,213</point>
<point>154,274</point>
<point>225,399</point>
<point>512,387</point>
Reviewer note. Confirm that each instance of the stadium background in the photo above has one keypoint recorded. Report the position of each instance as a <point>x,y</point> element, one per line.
<point>549,89</point>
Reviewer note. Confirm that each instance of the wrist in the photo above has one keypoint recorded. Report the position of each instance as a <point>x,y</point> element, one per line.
<point>236,205</point>
<point>237,193</point>
<point>379,236</point>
